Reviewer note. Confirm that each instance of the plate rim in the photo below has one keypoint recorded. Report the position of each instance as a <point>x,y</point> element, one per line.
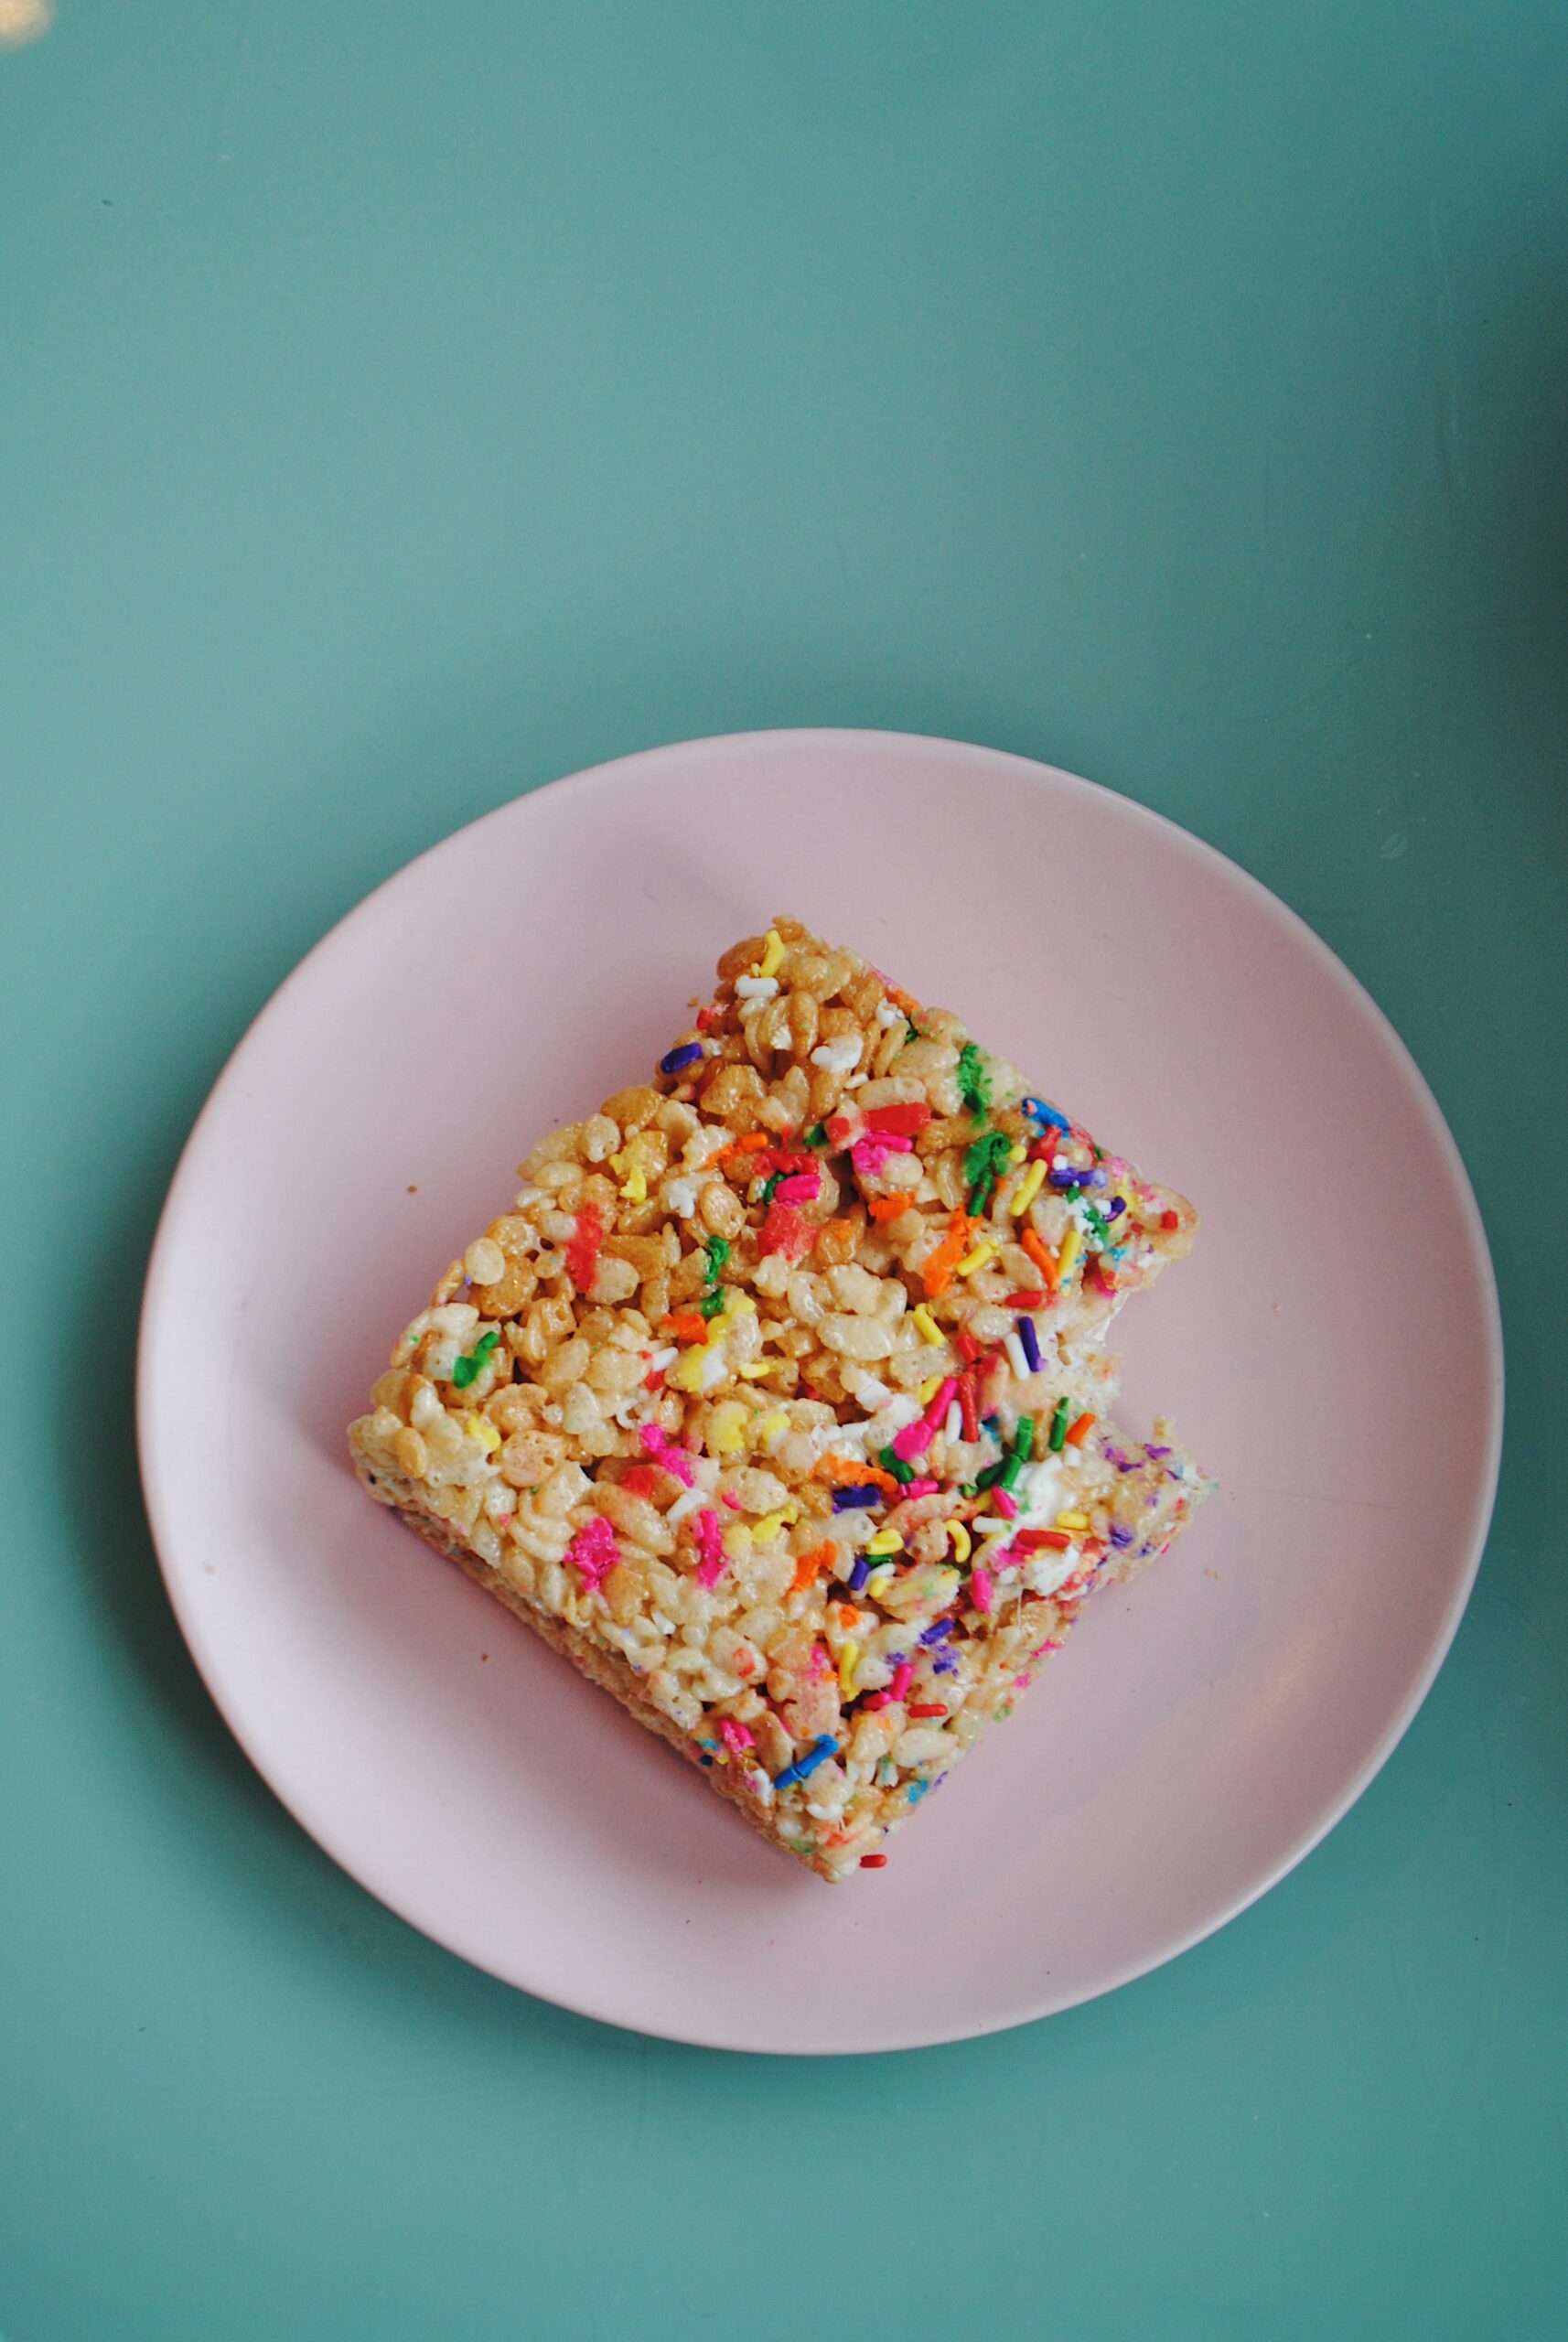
<point>809,737</point>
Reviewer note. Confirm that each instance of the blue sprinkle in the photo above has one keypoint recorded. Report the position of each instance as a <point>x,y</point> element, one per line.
<point>918,1790</point>
<point>1065,1178</point>
<point>856,1499</point>
<point>686,1055</point>
<point>1095,1178</point>
<point>937,1633</point>
<point>859,1574</point>
<point>1030,1341</point>
<point>818,1753</point>
<point>707,1761</point>
<point>946,1663</point>
<point>1044,1117</point>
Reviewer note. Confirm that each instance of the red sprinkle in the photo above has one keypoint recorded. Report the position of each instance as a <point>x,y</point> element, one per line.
<point>927,1708</point>
<point>874,1700</point>
<point>966,1346</point>
<point>969,1409</point>
<point>582,1247</point>
<point>897,1122</point>
<point>874,1861</point>
<point>785,1232</point>
<point>1169,1220</point>
<point>1025,1300</point>
<point>638,1481</point>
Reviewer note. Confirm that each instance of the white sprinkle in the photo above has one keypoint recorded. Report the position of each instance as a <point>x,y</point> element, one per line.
<point>756,987</point>
<point>687,1501</point>
<point>1014,1349</point>
<point>714,1367</point>
<point>664,1358</point>
<point>665,1625</point>
<point>681,1195</point>
<point>953,1422</point>
<point>838,1056</point>
<point>888,1013</point>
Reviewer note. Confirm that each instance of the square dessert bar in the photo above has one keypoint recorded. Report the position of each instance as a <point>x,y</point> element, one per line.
<point>780,1401</point>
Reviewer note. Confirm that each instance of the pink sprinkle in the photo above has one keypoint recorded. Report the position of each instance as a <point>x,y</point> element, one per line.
<point>1023,1682</point>
<point>916,1437</point>
<point>735,1737</point>
<point>592,1550</point>
<point>913,1489</point>
<point>709,1534</point>
<point>876,1700</point>
<point>799,1188</point>
<point>733,1501</point>
<point>903,1676</point>
<point>980,1587</point>
<point>869,1154</point>
<point>664,1450</point>
<point>1005,1505</point>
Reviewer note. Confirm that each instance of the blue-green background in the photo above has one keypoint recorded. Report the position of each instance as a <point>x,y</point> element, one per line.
<point>403,404</point>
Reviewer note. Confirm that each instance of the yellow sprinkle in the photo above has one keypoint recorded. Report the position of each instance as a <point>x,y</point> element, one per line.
<point>1073,1520</point>
<point>736,1303</point>
<point>634,1188</point>
<point>926,1324</point>
<point>1018,1151</point>
<point>929,1390</point>
<point>757,1367</point>
<point>1071,1246</point>
<point>886,1540</point>
<point>849,1659</point>
<point>773,1523</point>
<point>960,1541</point>
<point>480,1427</point>
<point>686,1374</point>
<point>772,953</point>
<point>770,1426</point>
<point>975,1260</point>
<point>1029,1187</point>
<point>881,1571</point>
<point>726,1428</point>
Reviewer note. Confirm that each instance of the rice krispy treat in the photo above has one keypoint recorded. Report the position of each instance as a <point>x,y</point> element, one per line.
<point>780,1401</point>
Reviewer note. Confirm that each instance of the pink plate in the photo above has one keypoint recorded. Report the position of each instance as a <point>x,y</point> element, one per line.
<point>1341,1374</point>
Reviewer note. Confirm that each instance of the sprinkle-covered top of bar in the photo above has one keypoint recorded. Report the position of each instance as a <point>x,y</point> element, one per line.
<point>783,1378</point>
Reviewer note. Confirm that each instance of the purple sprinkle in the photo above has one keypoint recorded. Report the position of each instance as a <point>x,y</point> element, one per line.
<point>1120,1536</point>
<point>1156,1451</point>
<point>1068,1178</point>
<point>686,1055</point>
<point>1095,1178</point>
<point>855,1499</point>
<point>946,1663</point>
<point>859,1574</point>
<point>937,1633</point>
<point>1116,1206</point>
<point>1027,1335</point>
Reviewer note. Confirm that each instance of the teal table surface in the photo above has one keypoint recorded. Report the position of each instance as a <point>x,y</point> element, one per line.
<point>402,406</point>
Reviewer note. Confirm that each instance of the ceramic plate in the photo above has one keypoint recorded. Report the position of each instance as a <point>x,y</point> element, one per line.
<point>1338,1369</point>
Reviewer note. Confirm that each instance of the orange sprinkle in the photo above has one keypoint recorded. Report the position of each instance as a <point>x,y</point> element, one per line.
<point>809,1564</point>
<point>1076,1432</point>
<point>847,1474</point>
<point>938,1270</point>
<point>883,1207</point>
<point>687,1326</point>
<point>845,1228</point>
<point>1045,1261</point>
<point>754,1143</point>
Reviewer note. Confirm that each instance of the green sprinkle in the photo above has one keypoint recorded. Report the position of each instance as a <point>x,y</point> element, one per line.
<point>467,1369</point>
<point>1010,1471</point>
<point>711,1304</point>
<point>1058,1425</point>
<point>1099,1227</point>
<point>1024,1438</point>
<point>911,1031</point>
<point>889,1462</point>
<point>973,1081</point>
<point>983,1160</point>
<point>718,1253</point>
<point>989,1478</point>
<point>817,1136</point>
<point>768,1186</point>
